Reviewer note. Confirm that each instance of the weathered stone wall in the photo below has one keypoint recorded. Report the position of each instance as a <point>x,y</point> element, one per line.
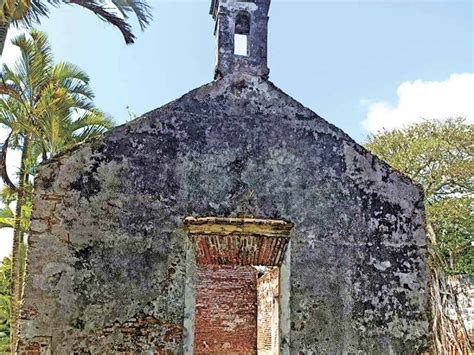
<point>107,245</point>
<point>105,267</point>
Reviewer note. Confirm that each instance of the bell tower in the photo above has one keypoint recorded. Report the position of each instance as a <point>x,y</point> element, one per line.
<point>241,32</point>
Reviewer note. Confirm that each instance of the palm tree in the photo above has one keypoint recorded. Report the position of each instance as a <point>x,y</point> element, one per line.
<point>14,11</point>
<point>115,12</point>
<point>47,107</point>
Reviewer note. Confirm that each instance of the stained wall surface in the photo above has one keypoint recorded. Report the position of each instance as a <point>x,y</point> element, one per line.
<point>106,263</point>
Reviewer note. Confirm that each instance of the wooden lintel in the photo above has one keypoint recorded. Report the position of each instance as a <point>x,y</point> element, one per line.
<point>237,226</point>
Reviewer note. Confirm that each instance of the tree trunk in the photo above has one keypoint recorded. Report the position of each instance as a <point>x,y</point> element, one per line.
<point>3,36</point>
<point>448,336</point>
<point>17,262</point>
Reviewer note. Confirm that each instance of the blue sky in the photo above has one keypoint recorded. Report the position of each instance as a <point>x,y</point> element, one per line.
<point>362,65</point>
<point>336,57</point>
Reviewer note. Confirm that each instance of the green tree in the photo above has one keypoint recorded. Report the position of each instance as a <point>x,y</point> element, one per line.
<point>115,12</point>
<point>5,275</point>
<point>7,214</point>
<point>47,107</point>
<point>439,157</point>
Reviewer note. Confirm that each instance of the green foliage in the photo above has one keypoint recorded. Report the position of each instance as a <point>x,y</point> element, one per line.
<point>48,108</point>
<point>439,156</point>
<point>114,12</point>
<point>454,226</point>
<point>5,276</point>
<point>14,10</point>
<point>51,103</point>
<point>7,215</point>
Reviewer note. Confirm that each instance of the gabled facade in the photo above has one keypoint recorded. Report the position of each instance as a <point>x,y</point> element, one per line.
<point>232,220</point>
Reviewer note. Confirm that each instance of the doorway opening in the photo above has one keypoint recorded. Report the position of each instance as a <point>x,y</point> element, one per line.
<point>233,292</point>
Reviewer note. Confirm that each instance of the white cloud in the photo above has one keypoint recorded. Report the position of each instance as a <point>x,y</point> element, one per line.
<point>11,52</point>
<point>419,100</point>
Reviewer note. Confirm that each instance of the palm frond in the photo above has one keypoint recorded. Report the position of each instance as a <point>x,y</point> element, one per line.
<point>7,217</point>
<point>32,70</point>
<point>115,12</point>
<point>138,7</point>
<point>105,13</point>
<point>94,118</point>
<point>64,70</point>
<point>13,10</point>
<point>32,13</point>
<point>9,90</point>
<point>73,79</point>
<point>10,77</point>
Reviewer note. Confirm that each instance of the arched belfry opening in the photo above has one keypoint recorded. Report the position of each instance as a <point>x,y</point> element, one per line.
<point>242,23</point>
<point>235,284</point>
<point>241,34</point>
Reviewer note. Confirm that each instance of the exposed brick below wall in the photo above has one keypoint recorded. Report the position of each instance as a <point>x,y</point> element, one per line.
<point>29,350</point>
<point>38,346</point>
<point>226,310</point>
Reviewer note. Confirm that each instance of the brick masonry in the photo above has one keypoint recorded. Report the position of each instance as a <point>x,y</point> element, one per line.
<point>226,310</point>
<point>38,346</point>
<point>268,293</point>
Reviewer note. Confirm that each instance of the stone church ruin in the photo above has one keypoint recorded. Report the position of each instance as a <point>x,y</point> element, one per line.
<point>233,220</point>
